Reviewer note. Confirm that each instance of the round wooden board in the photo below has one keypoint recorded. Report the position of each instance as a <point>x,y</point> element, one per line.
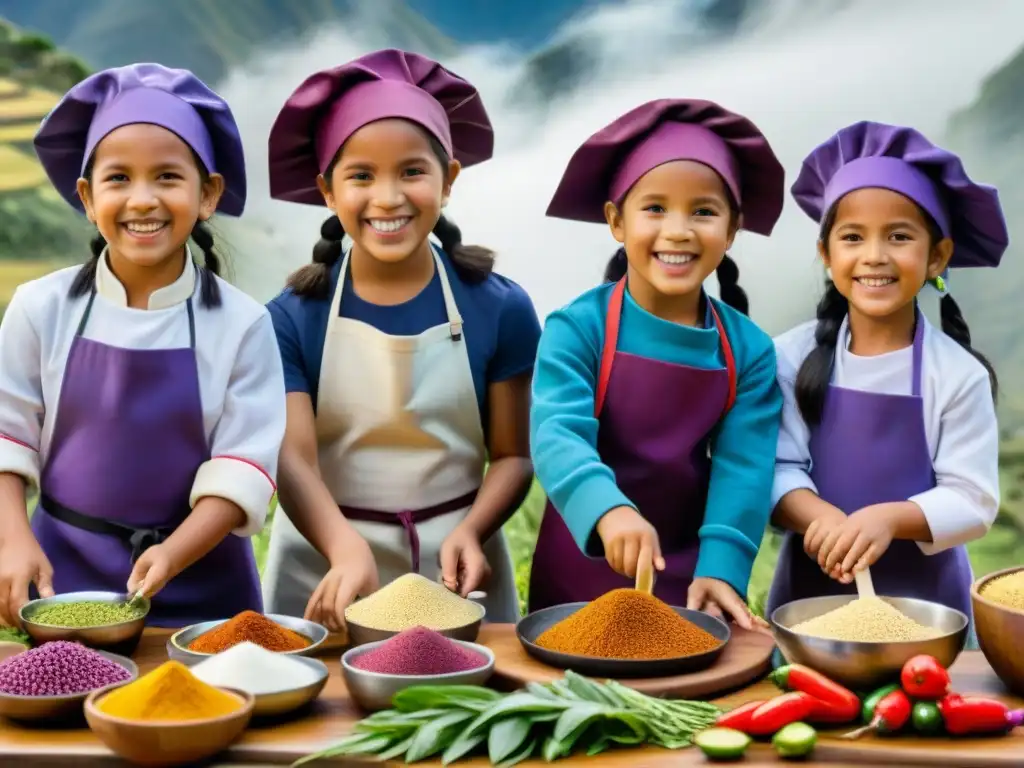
<point>746,658</point>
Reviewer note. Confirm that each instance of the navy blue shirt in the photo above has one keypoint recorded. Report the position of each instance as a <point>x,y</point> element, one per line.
<point>500,327</point>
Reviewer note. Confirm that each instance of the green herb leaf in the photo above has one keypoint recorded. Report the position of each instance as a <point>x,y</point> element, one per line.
<point>462,746</point>
<point>576,717</point>
<point>523,754</point>
<point>436,735</point>
<point>514,704</point>
<point>506,736</point>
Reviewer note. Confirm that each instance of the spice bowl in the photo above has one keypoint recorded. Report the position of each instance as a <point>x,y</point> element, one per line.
<point>167,743</point>
<point>282,702</point>
<point>1000,629</point>
<point>178,643</point>
<point>55,708</point>
<point>373,691</point>
<point>866,665</point>
<point>121,638</point>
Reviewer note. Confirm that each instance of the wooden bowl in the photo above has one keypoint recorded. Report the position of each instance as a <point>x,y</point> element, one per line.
<point>167,743</point>
<point>1000,629</point>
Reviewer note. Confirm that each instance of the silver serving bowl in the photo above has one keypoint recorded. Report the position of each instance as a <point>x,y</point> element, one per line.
<point>373,690</point>
<point>861,665</point>
<point>290,699</point>
<point>358,634</point>
<point>122,638</point>
<point>178,643</point>
<point>46,708</point>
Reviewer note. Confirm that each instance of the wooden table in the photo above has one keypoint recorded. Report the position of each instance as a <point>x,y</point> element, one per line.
<point>334,713</point>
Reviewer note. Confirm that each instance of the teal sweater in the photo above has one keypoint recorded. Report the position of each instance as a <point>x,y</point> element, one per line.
<point>563,430</point>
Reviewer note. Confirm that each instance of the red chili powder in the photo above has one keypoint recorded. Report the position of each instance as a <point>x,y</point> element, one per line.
<point>419,651</point>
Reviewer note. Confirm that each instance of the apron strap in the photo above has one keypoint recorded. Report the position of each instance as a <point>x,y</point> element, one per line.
<point>611,341</point>
<point>918,353</point>
<point>188,308</point>
<point>139,539</point>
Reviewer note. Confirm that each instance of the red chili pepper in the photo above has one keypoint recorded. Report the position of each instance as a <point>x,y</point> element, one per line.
<point>826,713</point>
<point>844,704</point>
<point>739,718</point>
<point>891,714</point>
<point>923,677</point>
<point>965,715</point>
<point>780,711</point>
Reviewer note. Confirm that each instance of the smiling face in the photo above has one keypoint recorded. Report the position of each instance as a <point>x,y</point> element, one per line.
<point>676,224</point>
<point>387,187</point>
<point>882,249</point>
<point>144,191</point>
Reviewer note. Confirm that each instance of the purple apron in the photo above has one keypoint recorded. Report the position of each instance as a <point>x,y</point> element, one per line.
<point>128,441</point>
<point>654,424</point>
<point>870,449</point>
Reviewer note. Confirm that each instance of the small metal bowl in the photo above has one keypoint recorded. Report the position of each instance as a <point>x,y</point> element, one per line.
<point>373,690</point>
<point>535,624</point>
<point>122,638</point>
<point>178,643</point>
<point>288,700</point>
<point>864,665</point>
<point>53,708</point>
<point>359,634</point>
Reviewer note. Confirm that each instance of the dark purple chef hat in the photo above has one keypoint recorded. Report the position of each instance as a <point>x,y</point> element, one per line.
<point>612,160</point>
<point>174,99</point>
<point>902,160</point>
<point>330,106</point>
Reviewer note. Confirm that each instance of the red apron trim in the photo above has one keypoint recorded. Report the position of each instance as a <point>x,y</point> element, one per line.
<point>611,342</point>
<point>254,465</point>
<point>19,442</point>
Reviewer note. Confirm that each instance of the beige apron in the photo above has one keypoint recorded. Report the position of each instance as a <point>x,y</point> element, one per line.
<point>398,427</point>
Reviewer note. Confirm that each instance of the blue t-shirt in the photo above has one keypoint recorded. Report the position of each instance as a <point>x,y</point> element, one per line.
<point>500,327</point>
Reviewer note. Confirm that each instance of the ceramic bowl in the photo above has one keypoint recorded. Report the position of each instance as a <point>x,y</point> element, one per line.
<point>122,638</point>
<point>359,634</point>
<point>373,690</point>
<point>290,699</point>
<point>861,665</point>
<point>168,743</point>
<point>1000,629</point>
<point>53,708</point>
<point>177,644</point>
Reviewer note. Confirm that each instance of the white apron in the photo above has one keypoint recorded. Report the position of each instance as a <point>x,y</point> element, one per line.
<point>400,439</point>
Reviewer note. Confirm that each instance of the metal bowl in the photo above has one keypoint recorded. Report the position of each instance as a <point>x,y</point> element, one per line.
<point>532,626</point>
<point>49,708</point>
<point>1000,629</point>
<point>866,665</point>
<point>177,644</point>
<point>290,699</point>
<point>122,638</point>
<point>373,690</point>
<point>359,634</point>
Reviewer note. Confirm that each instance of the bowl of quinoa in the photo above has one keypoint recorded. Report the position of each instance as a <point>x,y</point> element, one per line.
<point>998,603</point>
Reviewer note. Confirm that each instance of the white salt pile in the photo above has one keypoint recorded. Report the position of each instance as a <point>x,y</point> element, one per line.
<point>250,667</point>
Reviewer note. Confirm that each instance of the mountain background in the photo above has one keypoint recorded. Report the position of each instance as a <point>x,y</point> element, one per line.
<point>561,47</point>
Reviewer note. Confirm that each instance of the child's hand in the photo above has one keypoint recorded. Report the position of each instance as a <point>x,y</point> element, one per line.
<point>354,575</point>
<point>464,568</point>
<point>716,597</point>
<point>858,543</point>
<point>820,528</point>
<point>628,540</point>
<point>22,562</point>
<point>152,571</point>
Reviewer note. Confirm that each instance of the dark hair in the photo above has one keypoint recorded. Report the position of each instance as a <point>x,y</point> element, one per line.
<point>472,263</point>
<point>728,273</point>
<point>209,295</point>
<point>815,373</point>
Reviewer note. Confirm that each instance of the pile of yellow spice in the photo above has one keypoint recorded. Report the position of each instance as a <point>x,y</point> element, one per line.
<point>170,693</point>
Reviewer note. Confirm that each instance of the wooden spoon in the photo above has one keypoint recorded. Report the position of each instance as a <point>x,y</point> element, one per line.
<point>865,587</point>
<point>645,577</point>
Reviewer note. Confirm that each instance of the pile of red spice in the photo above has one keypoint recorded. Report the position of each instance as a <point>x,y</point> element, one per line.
<point>252,627</point>
<point>627,624</point>
<point>419,651</point>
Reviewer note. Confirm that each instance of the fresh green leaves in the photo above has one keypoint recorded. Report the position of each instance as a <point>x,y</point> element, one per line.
<point>572,714</point>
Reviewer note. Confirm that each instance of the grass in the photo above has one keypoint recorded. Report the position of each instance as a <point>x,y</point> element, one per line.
<point>18,170</point>
<point>21,110</point>
<point>18,134</point>
<point>14,273</point>
<point>34,103</point>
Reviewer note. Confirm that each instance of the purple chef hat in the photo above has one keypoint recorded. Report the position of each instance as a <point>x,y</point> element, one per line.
<point>174,99</point>
<point>331,105</point>
<point>612,160</point>
<point>900,159</point>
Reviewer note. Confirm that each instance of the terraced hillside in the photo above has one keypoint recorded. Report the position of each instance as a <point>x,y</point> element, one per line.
<point>21,109</point>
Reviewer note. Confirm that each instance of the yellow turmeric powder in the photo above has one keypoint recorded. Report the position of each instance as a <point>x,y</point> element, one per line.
<point>169,692</point>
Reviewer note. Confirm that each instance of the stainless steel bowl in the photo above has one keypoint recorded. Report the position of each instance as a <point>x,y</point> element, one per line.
<point>53,708</point>
<point>359,634</point>
<point>122,638</point>
<point>290,699</point>
<point>860,665</point>
<point>373,690</point>
<point>178,643</point>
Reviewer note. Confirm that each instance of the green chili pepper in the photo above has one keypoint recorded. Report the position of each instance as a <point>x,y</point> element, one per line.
<point>867,711</point>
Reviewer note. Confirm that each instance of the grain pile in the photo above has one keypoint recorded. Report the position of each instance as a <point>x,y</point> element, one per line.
<point>866,620</point>
<point>1006,590</point>
<point>413,601</point>
<point>627,624</point>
